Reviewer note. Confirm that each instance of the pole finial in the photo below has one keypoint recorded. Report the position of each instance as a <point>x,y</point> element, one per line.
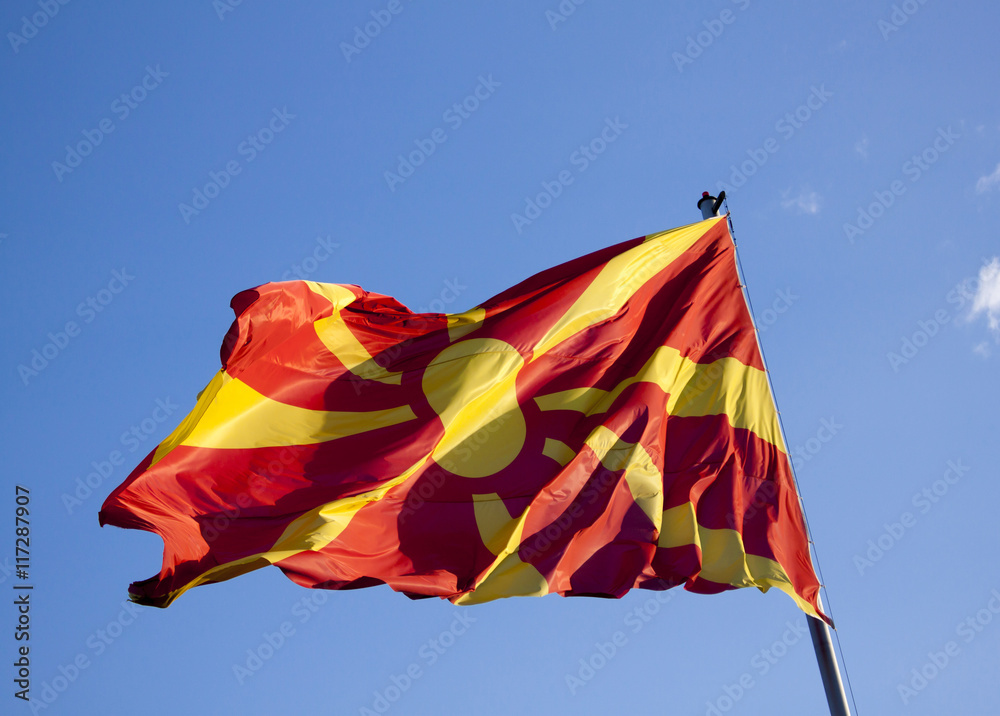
<point>709,204</point>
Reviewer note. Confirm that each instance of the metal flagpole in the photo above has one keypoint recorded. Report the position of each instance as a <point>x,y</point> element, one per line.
<point>826,658</point>
<point>828,669</point>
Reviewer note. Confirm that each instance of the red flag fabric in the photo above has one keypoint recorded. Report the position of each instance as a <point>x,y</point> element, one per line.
<point>604,425</point>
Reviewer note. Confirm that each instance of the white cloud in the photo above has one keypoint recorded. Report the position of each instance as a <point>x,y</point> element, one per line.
<point>807,202</point>
<point>861,147</point>
<point>983,349</point>
<point>987,298</point>
<point>988,182</point>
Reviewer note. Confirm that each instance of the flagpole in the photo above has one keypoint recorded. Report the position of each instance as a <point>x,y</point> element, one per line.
<point>826,657</point>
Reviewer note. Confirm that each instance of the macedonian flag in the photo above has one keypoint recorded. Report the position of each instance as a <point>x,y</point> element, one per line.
<point>604,425</point>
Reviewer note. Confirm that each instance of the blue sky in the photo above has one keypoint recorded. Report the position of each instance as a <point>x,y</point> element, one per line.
<point>860,147</point>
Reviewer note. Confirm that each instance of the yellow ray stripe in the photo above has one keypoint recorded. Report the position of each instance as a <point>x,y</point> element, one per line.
<point>231,414</point>
<point>723,555</point>
<point>508,576</point>
<point>312,531</point>
<point>644,479</point>
<point>339,296</point>
<point>723,387</point>
<point>189,423</point>
<point>496,525</point>
<point>582,400</point>
<point>339,340</point>
<point>558,451</point>
<point>459,324</point>
<point>619,279</point>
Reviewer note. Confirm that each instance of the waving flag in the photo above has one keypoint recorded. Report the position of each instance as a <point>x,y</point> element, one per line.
<point>604,425</point>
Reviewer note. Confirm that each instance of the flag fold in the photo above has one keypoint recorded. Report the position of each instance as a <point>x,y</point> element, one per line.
<point>604,425</point>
